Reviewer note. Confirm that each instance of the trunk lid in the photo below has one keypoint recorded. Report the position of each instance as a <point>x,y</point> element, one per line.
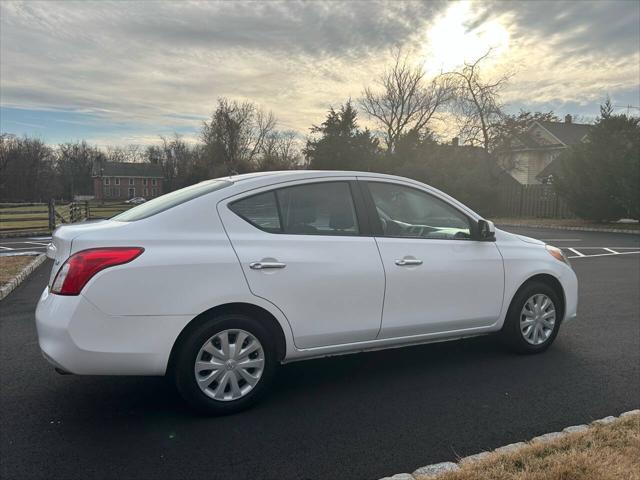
<point>61,246</point>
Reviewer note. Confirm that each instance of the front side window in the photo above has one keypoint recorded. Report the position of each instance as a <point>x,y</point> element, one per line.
<point>312,209</point>
<point>409,212</point>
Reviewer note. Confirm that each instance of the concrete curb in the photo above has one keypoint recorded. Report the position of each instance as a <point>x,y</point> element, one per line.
<point>22,275</point>
<point>434,470</point>
<point>567,227</point>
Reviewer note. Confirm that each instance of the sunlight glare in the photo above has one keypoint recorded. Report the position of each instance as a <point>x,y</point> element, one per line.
<point>450,42</point>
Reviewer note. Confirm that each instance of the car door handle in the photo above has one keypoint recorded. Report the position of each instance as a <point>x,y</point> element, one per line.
<point>408,261</point>
<point>265,265</point>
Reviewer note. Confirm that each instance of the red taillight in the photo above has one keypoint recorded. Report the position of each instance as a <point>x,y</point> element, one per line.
<point>81,266</point>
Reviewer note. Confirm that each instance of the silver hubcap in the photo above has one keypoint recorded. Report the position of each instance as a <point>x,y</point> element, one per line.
<point>537,319</point>
<point>229,365</point>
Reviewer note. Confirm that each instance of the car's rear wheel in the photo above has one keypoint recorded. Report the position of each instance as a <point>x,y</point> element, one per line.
<point>533,319</point>
<point>225,364</point>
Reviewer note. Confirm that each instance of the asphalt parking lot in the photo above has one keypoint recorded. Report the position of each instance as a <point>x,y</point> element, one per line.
<point>358,416</point>
<point>23,246</point>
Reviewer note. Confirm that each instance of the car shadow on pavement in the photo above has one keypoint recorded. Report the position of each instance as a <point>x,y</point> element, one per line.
<point>298,385</point>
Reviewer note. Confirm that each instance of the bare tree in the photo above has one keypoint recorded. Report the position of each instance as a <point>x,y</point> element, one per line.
<point>127,153</point>
<point>478,102</point>
<point>406,101</point>
<point>280,151</point>
<point>234,136</point>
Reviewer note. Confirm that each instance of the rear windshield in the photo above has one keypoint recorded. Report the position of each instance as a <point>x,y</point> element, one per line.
<point>170,200</point>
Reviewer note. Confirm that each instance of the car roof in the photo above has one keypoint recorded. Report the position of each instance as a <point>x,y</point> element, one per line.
<point>283,175</point>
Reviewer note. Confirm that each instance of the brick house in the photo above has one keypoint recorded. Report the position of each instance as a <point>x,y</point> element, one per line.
<point>530,158</point>
<point>119,181</point>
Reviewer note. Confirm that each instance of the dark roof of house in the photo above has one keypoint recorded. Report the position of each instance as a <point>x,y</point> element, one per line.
<point>567,133</point>
<point>122,169</point>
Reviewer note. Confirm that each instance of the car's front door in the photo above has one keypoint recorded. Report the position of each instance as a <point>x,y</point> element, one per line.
<point>302,248</point>
<point>438,278</point>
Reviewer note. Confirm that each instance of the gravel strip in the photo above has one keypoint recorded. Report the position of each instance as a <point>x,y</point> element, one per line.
<point>20,277</point>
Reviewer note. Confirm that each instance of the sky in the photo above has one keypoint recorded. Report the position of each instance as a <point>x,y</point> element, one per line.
<point>122,72</point>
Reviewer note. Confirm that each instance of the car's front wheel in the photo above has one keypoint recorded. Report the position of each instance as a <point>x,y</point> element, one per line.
<point>533,319</point>
<point>225,364</point>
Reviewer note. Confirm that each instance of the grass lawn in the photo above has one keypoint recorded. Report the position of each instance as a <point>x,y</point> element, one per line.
<point>11,266</point>
<point>25,224</point>
<point>604,452</point>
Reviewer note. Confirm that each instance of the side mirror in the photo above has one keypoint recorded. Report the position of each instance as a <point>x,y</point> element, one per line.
<point>486,231</point>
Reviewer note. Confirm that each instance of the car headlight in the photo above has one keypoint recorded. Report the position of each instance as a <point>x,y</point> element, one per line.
<point>557,253</point>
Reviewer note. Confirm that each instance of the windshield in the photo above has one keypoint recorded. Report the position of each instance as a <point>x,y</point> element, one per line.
<point>170,200</point>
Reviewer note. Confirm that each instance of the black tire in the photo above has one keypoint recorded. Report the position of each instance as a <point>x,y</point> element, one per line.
<point>189,347</point>
<point>511,333</point>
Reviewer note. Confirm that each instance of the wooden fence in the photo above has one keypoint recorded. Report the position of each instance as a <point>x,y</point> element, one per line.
<point>34,218</point>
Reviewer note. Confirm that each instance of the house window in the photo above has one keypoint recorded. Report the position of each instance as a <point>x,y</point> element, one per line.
<point>106,180</point>
<point>154,192</point>
<point>117,180</point>
<point>144,182</point>
<point>154,182</point>
<point>146,191</point>
<point>131,181</point>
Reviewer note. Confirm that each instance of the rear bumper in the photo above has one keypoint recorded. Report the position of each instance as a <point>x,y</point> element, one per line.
<point>76,337</point>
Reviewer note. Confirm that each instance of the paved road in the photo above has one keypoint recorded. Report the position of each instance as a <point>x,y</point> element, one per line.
<point>23,246</point>
<point>359,416</point>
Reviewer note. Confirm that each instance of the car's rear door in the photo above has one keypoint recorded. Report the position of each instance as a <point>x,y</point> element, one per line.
<point>306,248</point>
<point>439,279</point>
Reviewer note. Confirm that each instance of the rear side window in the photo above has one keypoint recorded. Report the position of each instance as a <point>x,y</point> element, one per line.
<point>260,211</point>
<point>170,200</point>
<point>325,208</point>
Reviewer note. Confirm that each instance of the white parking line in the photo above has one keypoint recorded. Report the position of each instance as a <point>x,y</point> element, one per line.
<point>578,254</point>
<point>602,254</point>
<point>610,250</point>
<point>606,248</point>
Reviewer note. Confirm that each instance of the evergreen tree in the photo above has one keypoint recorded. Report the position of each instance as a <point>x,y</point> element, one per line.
<point>339,143</point>
<point>600,178</point>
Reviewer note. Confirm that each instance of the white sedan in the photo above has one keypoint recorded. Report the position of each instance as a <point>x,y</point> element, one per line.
<point>217,284</point>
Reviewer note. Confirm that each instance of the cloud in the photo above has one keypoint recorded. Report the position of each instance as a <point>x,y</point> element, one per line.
<point>156,66</point>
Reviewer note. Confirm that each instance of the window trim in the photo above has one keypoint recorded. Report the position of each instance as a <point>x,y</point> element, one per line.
<point>361,217</point>
<point>374,218</point>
